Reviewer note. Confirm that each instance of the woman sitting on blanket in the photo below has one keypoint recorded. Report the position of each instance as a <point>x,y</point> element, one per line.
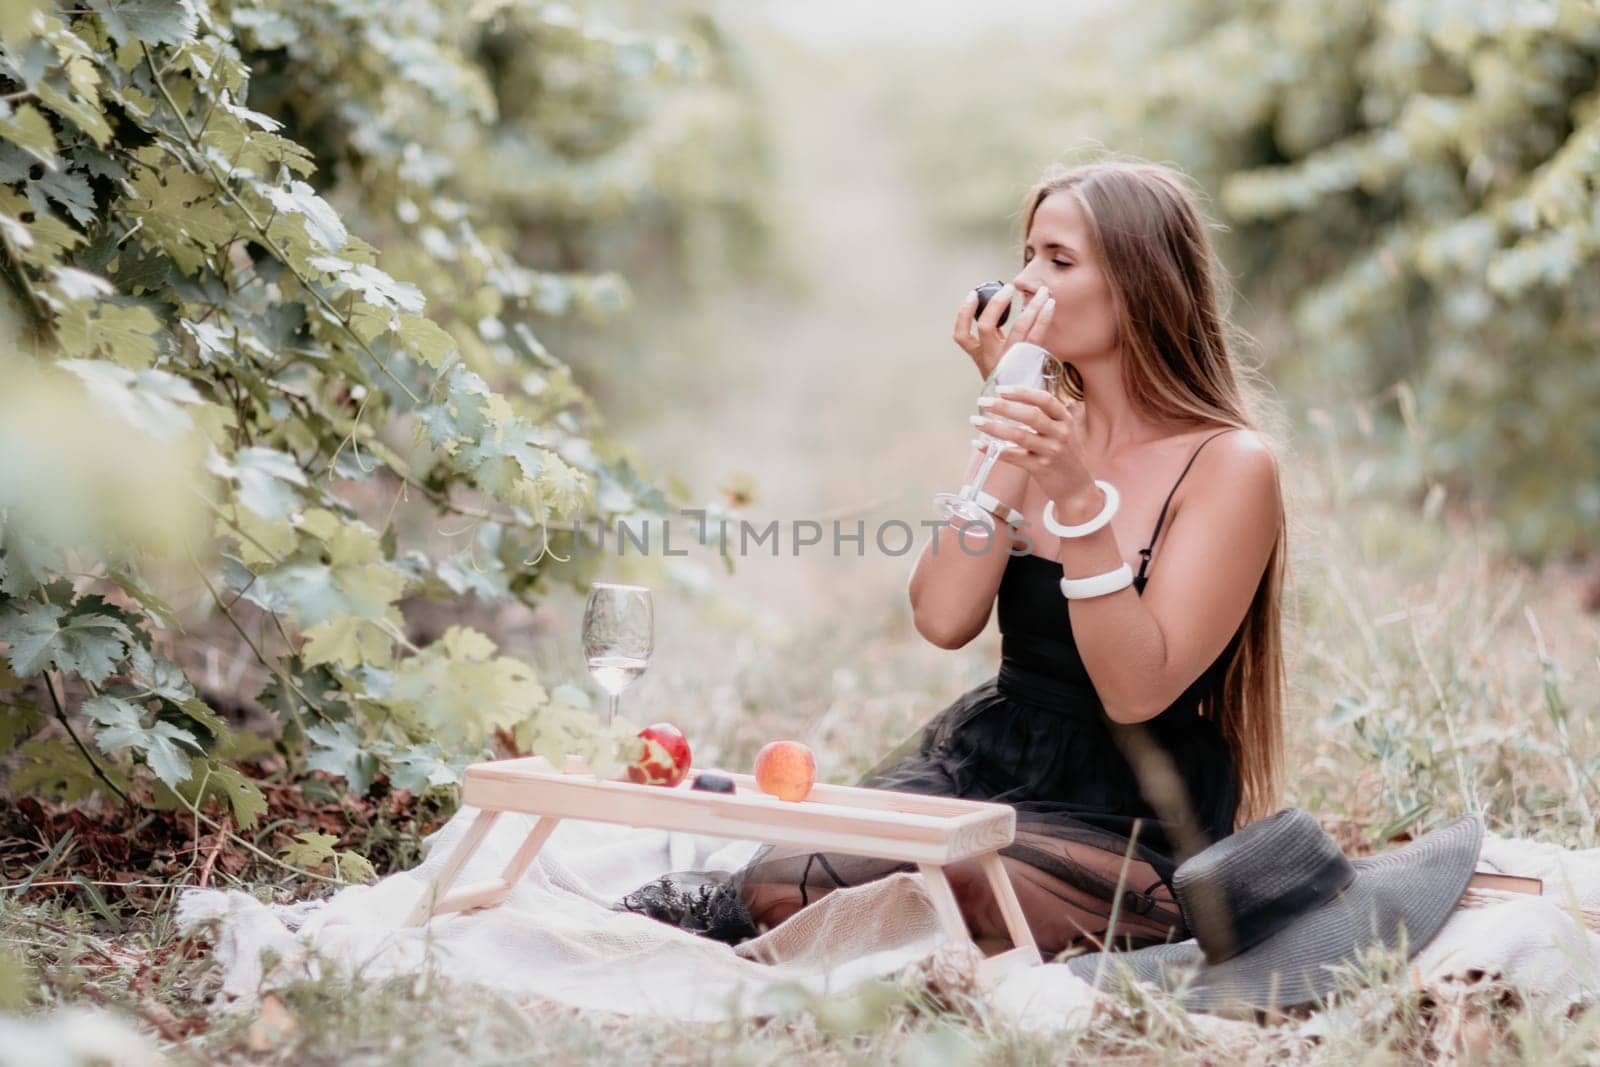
<point>1128,728</point>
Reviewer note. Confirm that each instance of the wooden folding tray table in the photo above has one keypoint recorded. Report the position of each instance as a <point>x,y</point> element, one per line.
<point>930,831</point>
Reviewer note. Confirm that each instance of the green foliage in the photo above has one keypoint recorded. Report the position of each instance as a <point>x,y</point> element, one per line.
<point>78,639</point>
<point>312,849</point>
<point>253,238</point>
<point>1411,182</point>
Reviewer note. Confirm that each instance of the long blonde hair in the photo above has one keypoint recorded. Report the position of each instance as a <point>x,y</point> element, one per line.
<point>1153,246</point>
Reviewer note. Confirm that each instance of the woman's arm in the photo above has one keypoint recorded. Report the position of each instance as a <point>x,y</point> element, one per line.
<point>1141,652</point>
<point>954,582</point>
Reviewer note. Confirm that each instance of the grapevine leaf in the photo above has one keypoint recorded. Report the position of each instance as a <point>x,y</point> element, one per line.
<point>426,340</point>
<point>30,131</point>
<point>19,717</point>
<point>419,767</point>
<point>353,867</point>
<point>141,270</point>
<point>261,541</point>
<point>563,486</point>
<point>162,752</point>
<point>42,636</point>
<point>310,850</point>
<point>59,770</point>
<point>159,612</point>
<point>470,571</point>
<point>242,794</point>
<point>348,641</point>
<point>180,211</point>
<point>339,750</point>
<point>151,400</point>
<point>555,730</point>
<point>122,727</point>
<point>316,688</point>
<point>74,284</point>
<point>154,22</point>
<point>126,333</point>
<point>462,414</point>
<point>212,779</point>
<point>266,477</point>
<point>503,457</point>
<point>461,691</point>
<point>321,222</point>
<point>70,189</point>
<point>88,117</point>
<point>202,713</point>
<point>161,676</point>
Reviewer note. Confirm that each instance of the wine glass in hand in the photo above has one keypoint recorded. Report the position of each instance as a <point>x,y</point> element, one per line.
<point>618,636</point>
<point>1026,365</point>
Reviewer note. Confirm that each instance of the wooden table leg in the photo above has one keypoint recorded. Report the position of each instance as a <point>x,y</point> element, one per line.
<point>944,902</point>
<point>1024,951</point>
<point>1006,894</point>
<point>530,848</point>
<point>434,896</point>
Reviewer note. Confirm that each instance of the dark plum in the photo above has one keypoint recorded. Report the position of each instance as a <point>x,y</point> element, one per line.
<point>986,292</point>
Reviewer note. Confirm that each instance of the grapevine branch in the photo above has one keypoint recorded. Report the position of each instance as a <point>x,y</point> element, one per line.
<point>61,716</point>
<point>275,669</point>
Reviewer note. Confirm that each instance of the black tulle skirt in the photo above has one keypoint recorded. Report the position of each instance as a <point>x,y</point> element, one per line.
<point>1105,813</point>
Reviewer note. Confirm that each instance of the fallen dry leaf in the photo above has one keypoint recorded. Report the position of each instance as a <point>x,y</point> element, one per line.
<point>273,1024</point>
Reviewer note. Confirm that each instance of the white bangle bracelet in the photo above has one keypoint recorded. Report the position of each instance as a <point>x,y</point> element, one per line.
<point>1097,584</point>
<point>988,502</point>
<point>1083,529</point>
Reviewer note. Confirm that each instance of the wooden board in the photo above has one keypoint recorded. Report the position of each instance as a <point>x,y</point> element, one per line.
<point>885,823</point>
<point>1506,883</point>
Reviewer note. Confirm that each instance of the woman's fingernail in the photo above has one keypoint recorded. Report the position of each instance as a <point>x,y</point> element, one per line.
<point>976,420</point>
<point>1006,389</point>
<point>987,401</point>
<point>1050,303</point>
<point>971,296</point>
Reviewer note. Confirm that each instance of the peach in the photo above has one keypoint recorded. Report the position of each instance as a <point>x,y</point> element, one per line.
<point>786,769</point>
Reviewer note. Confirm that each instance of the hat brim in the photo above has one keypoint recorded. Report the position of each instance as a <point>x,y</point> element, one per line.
<point>1413,888</point>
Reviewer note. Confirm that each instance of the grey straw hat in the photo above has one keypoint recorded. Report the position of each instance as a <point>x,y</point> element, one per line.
<point>1275,907</point>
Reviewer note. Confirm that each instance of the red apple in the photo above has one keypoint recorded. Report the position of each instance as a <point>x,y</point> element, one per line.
<point>786,769</point>
<point>664,760</point>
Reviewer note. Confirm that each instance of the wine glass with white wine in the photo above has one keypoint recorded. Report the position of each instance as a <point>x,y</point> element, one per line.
<point>618,636</point>
<point>1026,365</point>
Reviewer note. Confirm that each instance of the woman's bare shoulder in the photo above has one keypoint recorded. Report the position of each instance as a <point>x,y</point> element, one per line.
<point>1239,442</point>
<point>1237,462</point>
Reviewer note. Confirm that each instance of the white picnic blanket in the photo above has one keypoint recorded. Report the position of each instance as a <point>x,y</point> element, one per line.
<point>557,938</point>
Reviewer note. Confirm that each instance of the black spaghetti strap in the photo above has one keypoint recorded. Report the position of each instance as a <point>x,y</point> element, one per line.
<point>1144,553</point>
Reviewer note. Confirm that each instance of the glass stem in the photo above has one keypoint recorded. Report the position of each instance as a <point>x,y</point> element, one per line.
<point>991,454</point>
<point>613,716</point>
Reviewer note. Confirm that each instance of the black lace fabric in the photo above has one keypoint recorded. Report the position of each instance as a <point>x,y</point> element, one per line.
<point>711,909</point>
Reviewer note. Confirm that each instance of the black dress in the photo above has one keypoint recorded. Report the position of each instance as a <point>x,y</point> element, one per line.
<point>1089,793</point>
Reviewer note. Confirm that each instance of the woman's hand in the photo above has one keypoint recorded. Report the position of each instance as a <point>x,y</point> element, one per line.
<point>1049,446</point>
<point>990,344</point>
